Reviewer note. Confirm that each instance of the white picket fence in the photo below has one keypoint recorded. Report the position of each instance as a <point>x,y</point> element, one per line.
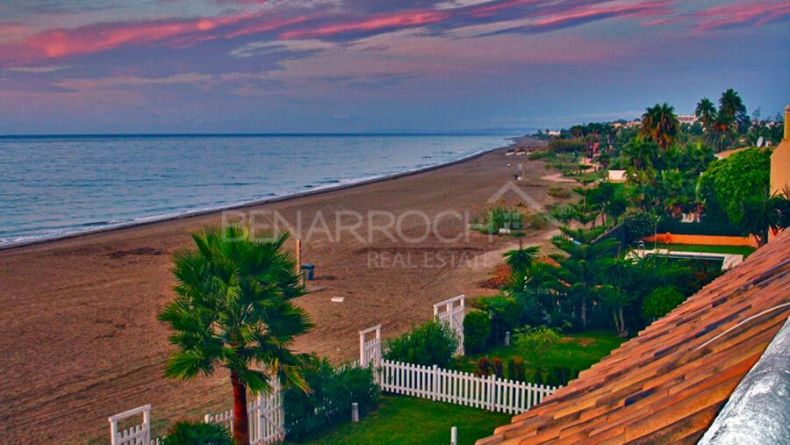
<point>461,388</point>
<point>265,414</point>
<point>266,418</point>
<point>138,434</point>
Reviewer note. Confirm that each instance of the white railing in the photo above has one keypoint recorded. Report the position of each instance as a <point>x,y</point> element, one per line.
<point>265,416</point>
<point>461,388</point>
<point>370,346</point>
<point>451,313</point>
<point>139,434</point>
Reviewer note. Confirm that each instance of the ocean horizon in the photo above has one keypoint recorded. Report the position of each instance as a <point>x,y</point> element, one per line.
<point>52,186</point>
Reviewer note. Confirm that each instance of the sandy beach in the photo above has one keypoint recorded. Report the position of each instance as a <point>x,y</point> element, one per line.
<point>81,340</point>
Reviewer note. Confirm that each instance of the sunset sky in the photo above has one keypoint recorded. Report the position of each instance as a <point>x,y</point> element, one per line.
<point>124,66</point>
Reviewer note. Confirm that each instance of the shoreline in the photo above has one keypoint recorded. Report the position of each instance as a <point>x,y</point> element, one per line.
<point>244,205</point>
<point>88,343</point>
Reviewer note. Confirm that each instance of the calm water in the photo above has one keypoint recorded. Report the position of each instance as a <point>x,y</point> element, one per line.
<point>53,186</point>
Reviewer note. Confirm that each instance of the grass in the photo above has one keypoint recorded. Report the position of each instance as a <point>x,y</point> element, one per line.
<point>738,250</point>
<point>408,420</point>
<point>576,351</point>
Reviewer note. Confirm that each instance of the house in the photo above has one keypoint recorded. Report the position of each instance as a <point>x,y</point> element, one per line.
<point>700,373</point>
<point>617,176</point>
<point>689,119</point>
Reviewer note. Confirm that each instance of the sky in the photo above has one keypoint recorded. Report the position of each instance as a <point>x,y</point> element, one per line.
<point>226,66</point>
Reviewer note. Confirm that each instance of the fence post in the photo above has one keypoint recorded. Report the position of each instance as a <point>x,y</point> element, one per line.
<point>261,417</point>
<point>491,392</point>
<point>355,412</point>
<point>434,382</point>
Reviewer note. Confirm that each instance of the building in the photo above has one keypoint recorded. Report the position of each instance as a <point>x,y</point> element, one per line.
<point>780,160</point>
<point>689,119</point>
<point>617,176</point>
<point>701,373</point>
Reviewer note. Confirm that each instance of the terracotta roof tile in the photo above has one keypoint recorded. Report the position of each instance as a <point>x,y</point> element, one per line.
<point>667,384</point>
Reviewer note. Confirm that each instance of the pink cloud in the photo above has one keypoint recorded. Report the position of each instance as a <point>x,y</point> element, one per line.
<point>402,19</point>
<point>89,39</point>
<point>755,14</point>
<point>640,9</point>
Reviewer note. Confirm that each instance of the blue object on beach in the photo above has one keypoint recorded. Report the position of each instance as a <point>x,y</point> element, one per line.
<point>309,269</point>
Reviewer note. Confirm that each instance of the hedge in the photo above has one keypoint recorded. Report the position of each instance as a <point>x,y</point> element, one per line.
<point>329,400</point>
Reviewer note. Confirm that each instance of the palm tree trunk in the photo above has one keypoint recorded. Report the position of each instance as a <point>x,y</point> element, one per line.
<point>241,426</point>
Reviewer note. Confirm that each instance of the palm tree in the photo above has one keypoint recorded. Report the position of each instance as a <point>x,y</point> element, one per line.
<point>233,309</point>
<point>731,105</point>
<point>660,124</point>
<point>520,259</point>
<point>706,113</point>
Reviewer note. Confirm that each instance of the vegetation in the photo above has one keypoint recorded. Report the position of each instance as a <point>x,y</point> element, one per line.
<point>477,331</point>
<point>197,433</point>
<point>329,401</point>
<point>736,189</point>
<point>413,421</point>
<point>496,218</point>
<point>233,309</point>
<point>661,301</point>
<point>430,343</point>
<point>660,125</point>
<point>569,355</point>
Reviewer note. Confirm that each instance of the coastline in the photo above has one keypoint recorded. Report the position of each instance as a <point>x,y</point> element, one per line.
<point>254,203</point>
<point>87,341</point>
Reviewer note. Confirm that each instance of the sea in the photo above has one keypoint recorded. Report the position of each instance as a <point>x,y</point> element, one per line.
<point>55,186</point>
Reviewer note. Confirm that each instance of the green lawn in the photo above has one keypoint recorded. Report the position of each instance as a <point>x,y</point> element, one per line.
<point>576,351</point>
<point>738,250</point>
<point>409,420</point>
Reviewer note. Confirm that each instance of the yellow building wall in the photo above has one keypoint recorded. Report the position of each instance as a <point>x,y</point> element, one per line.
<point>780,164</point>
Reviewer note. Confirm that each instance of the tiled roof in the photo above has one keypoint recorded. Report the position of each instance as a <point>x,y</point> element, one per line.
<point>667,384</point>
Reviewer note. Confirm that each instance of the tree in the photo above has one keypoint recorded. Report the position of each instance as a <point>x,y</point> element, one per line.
<point>732,108</point>
<point>661,301</point>
<point>706,113</point>
<point>660,124</point>
<point>233,309</point>
<point>736,189</point>
<point>582,265</point>
<point>520,259</point>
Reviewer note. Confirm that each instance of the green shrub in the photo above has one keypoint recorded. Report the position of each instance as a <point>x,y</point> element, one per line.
<point>661,301</point>
<point>516,368</point>
<point>197,433</point>
<point>484,368</point>
<point>477,330</point>
<point>505,315</point>
<point>500,218</point>
<point>537,221</point>
<point>559,192</point>
<point>496,364</point>
<point>540,154</point>
<point>431,343</point>
<point>329,401</point>
<point>536,341</point>
<point>637,224</point>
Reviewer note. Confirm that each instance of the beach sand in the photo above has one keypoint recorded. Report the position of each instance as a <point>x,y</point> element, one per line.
<point>80,337</point>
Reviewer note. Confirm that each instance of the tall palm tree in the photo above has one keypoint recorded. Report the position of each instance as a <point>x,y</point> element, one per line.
<point>660,124</point>
<point>706,113</point>
<point>233,309</point>
<point>731,105</point>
